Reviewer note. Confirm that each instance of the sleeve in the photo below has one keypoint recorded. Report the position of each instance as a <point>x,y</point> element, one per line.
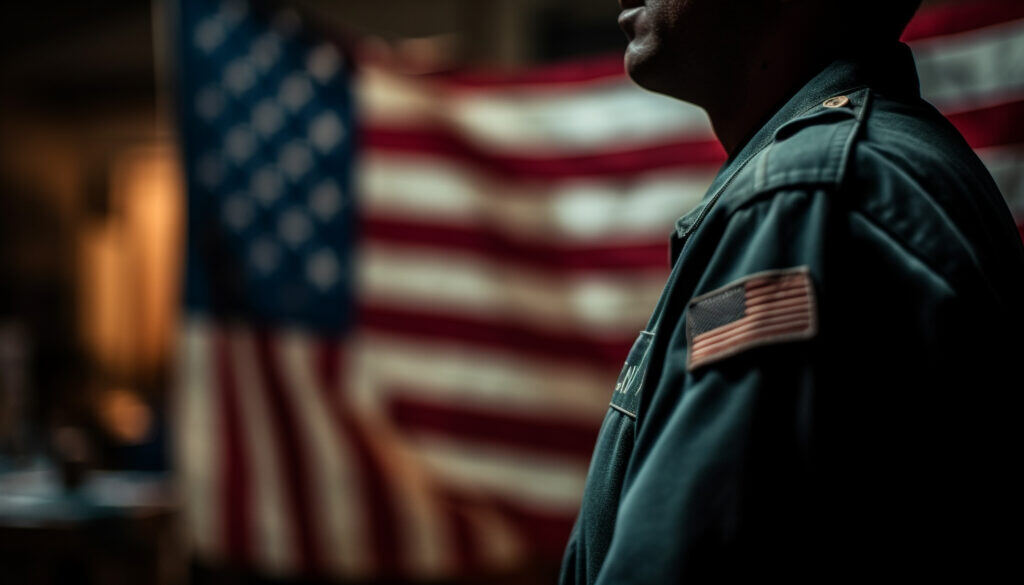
<point>798,457</point>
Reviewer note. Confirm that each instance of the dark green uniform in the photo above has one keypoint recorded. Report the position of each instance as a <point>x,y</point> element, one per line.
<point>867,432</point>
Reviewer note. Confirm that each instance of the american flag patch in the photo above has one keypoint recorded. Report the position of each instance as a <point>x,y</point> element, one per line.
<point>760,309</point>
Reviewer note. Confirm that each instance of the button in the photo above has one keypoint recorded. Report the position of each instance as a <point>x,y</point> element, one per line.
<point>836,102</point>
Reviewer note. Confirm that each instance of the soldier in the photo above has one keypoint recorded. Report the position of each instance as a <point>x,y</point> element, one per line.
<point>822,392</point>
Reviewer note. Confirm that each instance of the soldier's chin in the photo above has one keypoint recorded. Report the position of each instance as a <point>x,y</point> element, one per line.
<point>641,66</point>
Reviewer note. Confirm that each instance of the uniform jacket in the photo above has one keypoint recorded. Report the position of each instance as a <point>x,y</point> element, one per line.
<point>870,434</point>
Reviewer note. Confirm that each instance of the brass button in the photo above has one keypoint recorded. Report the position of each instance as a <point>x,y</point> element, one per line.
<point>836,102</point>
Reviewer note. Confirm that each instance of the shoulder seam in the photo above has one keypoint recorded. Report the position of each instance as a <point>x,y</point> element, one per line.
<point>848,146</point>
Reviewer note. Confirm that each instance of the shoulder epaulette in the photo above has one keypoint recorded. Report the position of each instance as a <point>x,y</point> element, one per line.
<point>813,149</point>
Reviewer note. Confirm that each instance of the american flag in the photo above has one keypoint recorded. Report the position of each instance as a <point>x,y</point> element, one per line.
<point>760,309</point>
<point>414,389</point>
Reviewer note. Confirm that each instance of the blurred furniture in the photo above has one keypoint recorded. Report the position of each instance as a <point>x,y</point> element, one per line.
<point>116,527</point>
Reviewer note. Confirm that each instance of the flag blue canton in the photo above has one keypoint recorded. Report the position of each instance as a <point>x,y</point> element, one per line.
<point>268,135</point>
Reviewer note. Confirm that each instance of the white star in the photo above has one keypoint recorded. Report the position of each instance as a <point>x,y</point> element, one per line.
<point>294,227</point>
<point>264,255</point>
<point>325,199</point>
<point>267,117</point>
<point>210,33</point>
<point>240,143</point>
<point>322,269</point>
<point>265,51</point>
<point>296,90</point>
<point>295,159</point>
<point>266,185</point>
<point>239,76</point>
<point>209,102</point>
<point>323,62</point>
<point>326,131</point>
<point>238,211</point>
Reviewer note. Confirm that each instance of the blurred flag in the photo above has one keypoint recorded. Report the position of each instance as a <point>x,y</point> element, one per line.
<point>289,462</point>
<point>422,399</point>
<point>970,58</point>
<point>267,128</point>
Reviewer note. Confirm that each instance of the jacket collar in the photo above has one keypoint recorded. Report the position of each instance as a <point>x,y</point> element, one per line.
<point>888,70</point>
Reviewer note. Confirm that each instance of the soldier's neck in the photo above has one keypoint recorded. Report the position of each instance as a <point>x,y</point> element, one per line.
<point>746,101</point>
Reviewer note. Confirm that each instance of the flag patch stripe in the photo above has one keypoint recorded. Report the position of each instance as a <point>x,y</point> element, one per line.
<point>775,306</point>
<point>747,334</point>
<point>712,338</point>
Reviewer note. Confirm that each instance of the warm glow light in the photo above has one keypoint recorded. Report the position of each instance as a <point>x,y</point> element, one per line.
<point>129,278</point>
<point>125,416</point>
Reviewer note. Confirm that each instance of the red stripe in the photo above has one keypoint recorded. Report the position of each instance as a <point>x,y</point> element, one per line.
<point>467,557</point>
<point>776,294</point>
<point>456,506</point>
<point>500,334</point>
<point>602,68</point>
<point>382,522</point>
<point>291,453</point>
<point>992,126</point>
<point>951,18</point>
<point>612,254</point>
<point>704,152</point>
<point>773,307</point>
<point>235,498</point>
<point>706,351</point>
<point>958,17</point>
<point>536,432</point>
<point>1020,228</point>
<point>750,324</point>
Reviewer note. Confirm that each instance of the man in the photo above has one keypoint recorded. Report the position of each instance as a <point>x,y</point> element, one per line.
<point>822,392</point>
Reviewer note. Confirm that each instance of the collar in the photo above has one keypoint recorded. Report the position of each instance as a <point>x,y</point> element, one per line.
<point>887,69</point>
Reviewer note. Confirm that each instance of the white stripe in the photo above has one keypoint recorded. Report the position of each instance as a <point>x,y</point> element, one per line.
<point>579,119</point>
<point>553,484</point>
<point>424,534</point>
<point>429,188</point>
<point>274,540</point>
<point>422,530</point>
<point>470,376</point>
<point>465,285</point>
<point>1006,163</point>
<point>971,69</point>
<point>198,439</point>
<point>341,523</point>
<point>619,114</point>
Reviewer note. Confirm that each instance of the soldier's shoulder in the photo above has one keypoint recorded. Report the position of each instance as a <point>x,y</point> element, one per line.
<point>894,162</point>
<point>848,138</point>
<point>915,178</point>
<point>812,150</point>
<point>910,139</point>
